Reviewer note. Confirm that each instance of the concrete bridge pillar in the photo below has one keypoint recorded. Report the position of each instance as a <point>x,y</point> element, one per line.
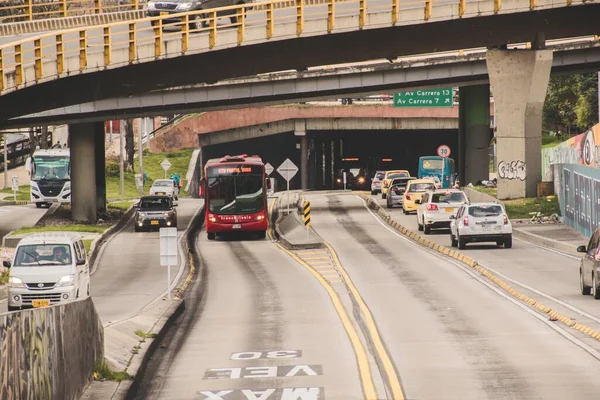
<point>88,183</point>
<point>474,133</point>
<point>519,80</point>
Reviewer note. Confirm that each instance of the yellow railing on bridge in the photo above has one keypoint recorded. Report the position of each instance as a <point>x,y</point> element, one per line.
<point>53,55</point>
<point>29,10</point>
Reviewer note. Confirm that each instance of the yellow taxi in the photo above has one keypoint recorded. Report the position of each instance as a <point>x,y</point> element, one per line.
<point>389,177</point>
<point>414,190</point>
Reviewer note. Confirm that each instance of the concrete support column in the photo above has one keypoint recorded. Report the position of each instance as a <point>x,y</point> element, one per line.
<point>100,161</point>
<point>474,133</point>
<point>519,80</point>
<point>328,161</point>
<point>300,130</point>
<point>84,200</point>
<point>319,166</point>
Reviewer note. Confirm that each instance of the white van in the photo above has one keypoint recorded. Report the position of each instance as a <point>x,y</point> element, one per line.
<point>48,268</point>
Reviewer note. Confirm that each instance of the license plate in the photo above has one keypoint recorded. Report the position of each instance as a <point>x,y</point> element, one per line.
<point>163,13</point>
<point>161,193</point>
<point>153,222</point>
<point>40,303</point>
<point>449,209</point>
<point>237,226</point>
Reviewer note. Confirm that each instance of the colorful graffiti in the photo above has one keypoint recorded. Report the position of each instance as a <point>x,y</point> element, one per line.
<point>582,149</point>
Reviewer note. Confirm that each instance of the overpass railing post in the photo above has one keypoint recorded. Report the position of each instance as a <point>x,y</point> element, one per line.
<point>362,13</point>
<point>462,7</point>
<point>29,10</point>
<point>107,46</point>
<point>497,5</point>
<point>299,17</point>
<point>241,23</point>
<point>60,55</point>
<point>395,11</point>
<point>97,6</point>
<point>330,15</point>
<point>428,9</point>
<point>532,4</point>
<point>38,65</point>
<point>1,69</point>
<point>270,20</point>
<point>18,64</point>
<point>82,49</point>
<point>158,38</point>
<point>212,31</point>
<point>132,48</point>
<point>135,4</point>
<point>63,8</point>
<point>185,32</point>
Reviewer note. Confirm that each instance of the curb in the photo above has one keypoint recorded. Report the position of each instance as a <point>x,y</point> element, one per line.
<point>15,203</point>
<point>275,217</point>
<point>470,262</point>
<point>542,241</point>
<point>48,25</point>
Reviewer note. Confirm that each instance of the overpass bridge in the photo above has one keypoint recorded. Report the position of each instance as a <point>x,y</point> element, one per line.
<point>125,59</point>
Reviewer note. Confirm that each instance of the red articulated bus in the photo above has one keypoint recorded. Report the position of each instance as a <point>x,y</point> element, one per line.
<point>234,189</point>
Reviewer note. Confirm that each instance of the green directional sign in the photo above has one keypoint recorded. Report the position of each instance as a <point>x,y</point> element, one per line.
<point>425,98</point>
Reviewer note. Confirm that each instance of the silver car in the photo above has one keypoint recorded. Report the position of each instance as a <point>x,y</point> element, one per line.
<point>395,195</point>
<point>164,187</point>
<point>376,182</point>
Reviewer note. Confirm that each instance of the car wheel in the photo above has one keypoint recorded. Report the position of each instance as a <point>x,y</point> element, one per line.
<point>453,241</point>
<point>136,228</point>
<point>426,228</point>
<point>373,192</point>
<point>508,242</point>
<point>595,291</point>
<point>210,235</point>
<point>88,290</point>
<point>388,204</point>
<point>383,196</point>
<point>38,205</point>
<point>419,226</point>
<point>462,243</point>
<point>585,290</point>
<point>404,211</point>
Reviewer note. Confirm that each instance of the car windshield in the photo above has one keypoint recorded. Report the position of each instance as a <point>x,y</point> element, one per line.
<point>155,204</point>
<point>51,168</point>
<point>432,164</point>
<point>163,183</point>
<point>379,175</point>
<point>456,197</point>
<point>421,187</point>
<point>36,255</point>
<point>235,190</point>
<point>485,211</point>
<point>397,175</point>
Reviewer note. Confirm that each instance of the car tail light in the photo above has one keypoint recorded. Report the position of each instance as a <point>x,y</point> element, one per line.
<point>408,197</point>
<point>466,221</point>
<point>505,220</point>
<point>432,207</point>
<point>385,183</point>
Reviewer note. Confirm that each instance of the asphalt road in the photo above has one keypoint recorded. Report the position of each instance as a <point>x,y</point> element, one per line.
<point>128,275</point>
<point>553,275</point>
<point>16,217</point>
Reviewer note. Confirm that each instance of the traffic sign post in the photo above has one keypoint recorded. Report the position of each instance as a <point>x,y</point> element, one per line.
<point>165,165</point>
<point>344,178</point>
<point>168,253</point>
<point>425,98</point>
<point>444,152</point>
<point>288,170</point>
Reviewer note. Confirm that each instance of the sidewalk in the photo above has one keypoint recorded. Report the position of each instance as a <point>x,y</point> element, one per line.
<point>557,236</point>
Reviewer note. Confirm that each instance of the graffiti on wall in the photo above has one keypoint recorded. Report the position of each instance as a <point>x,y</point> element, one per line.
<point>512,170</point>
<point>581,150</point>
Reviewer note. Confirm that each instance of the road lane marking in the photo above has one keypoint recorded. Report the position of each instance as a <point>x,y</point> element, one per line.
<point>506,291</point>
<point>364,368</point>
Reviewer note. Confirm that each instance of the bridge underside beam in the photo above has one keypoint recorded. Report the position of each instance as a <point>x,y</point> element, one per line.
<point>519,81</point>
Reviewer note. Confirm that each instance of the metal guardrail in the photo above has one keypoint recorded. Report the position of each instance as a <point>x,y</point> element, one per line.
<point>29,10</point>
<point>74,51</point>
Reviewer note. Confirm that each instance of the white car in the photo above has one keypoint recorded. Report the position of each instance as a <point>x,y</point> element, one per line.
<point>164,187</point>
<point>376,182</point>
<point>481,222</point>
<point>437,206</point>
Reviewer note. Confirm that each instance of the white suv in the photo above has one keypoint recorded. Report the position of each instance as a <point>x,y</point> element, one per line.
<point>481,222</point>
<point>437,206</point>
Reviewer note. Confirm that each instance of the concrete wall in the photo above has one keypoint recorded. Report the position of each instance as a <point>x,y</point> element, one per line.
<point>50,353</point>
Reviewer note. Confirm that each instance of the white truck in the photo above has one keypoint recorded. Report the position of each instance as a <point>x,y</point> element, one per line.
<point>50,172</point>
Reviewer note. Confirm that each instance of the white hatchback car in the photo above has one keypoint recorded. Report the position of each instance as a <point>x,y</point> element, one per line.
<point>437,206</point>
<point>481,222</point>
<point>165,187</point>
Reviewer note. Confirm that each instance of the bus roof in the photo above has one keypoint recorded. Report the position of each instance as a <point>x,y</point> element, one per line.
<point>52,152</point>
<point>235,160</point>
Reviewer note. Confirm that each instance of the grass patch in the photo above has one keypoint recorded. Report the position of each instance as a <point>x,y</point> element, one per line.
<point>487,190</point>
<point>179,160</point>
<point>145,335</point>
<point>4,278</point>
<point>69,228</point>
<point>121,205</point>
<point>550,141</point>
<point>104,373</point>
<point>22,194</point>
<point>520,208</point>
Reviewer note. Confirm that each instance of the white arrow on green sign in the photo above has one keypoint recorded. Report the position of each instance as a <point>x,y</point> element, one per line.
<point>425,98</point>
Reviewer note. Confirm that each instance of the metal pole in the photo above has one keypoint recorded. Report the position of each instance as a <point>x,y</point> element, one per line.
<point>5,136</point>
<point>598,96</point>
<point>288,197</point>
<point>169,282</point>
<point>110,131</point>
<point>121,161</point>
<point>141,152</point>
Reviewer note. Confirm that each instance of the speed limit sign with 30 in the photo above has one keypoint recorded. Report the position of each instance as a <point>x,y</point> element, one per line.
<point>443,151</point>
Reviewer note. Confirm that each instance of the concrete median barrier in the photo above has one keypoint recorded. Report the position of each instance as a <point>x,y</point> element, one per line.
<point>50,353</point>
<point>290,229</point>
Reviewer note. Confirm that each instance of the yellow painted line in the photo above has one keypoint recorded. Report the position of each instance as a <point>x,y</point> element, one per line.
<point>364,368</point>
<point>315,258</point>
<point>324,270</point>
<point>388,366</point>
<point>335,282</point>
<point>555,315</point>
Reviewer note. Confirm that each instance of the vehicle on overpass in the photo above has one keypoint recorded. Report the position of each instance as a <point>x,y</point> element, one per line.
<point>154,212</point>
<point>442,167</point>
<point>50,172</point>
<point>157,8</point>
<point>48,268</point>
<point>234,189</point>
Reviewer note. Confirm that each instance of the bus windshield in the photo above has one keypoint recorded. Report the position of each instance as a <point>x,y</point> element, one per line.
<point>51,168</point>
<point>235,190</point>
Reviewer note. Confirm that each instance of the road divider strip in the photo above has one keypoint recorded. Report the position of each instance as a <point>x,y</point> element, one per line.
<point>469,261</point>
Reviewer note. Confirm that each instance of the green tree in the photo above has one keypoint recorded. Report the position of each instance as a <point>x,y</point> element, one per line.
<point>571,103</point>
